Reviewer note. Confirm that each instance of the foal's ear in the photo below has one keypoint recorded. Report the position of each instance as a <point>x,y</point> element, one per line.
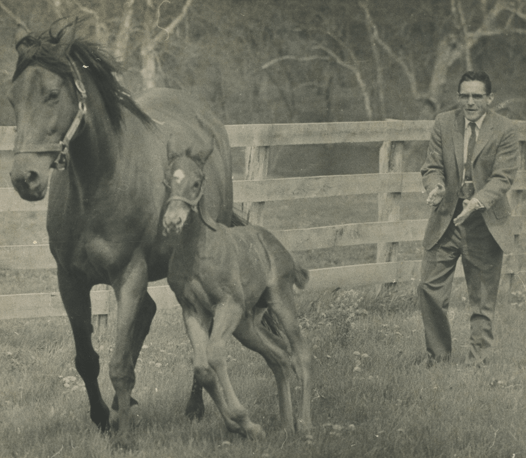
<point>177,146</point>
<point>201,151</point>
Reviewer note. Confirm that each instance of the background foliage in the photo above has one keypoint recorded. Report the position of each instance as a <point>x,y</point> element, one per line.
<point>260,61</point>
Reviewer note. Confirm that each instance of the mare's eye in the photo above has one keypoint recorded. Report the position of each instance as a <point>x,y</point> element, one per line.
<point>196,185</point>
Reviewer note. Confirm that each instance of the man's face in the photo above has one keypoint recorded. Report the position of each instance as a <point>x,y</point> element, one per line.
<point>473,99</point>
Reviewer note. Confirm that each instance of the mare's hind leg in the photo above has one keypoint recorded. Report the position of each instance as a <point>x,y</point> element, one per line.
<point>197,329</point>
<point>254,336</point>
<point>281,301</point>
<point>76,299</point>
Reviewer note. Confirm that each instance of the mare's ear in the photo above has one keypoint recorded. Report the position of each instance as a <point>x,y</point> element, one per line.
<point>20,34</point>
<point>62,33</point>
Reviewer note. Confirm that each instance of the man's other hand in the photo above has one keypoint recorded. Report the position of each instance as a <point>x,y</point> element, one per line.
<point>436,195</point>
<point>469,206</point>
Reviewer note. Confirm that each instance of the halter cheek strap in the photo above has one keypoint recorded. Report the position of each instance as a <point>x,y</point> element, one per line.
<point>194,205</point>
<point>62,147</point>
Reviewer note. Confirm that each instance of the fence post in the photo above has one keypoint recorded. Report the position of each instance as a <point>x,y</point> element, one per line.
<point>390,161</point>
<point>100,321</point>
<point>515,197</point>
<point>257,159</point>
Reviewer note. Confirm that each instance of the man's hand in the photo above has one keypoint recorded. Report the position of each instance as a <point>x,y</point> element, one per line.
<point>469,206</point>
<point>436,195</point>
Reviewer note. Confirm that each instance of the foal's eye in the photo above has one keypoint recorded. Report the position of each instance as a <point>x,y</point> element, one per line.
<point>53,95</point>
<point>196,185</point>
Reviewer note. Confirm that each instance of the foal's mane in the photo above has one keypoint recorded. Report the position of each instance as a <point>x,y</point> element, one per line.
<point>44,50</point>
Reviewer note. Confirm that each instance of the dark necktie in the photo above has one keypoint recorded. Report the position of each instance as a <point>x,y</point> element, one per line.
<point>467,190</point>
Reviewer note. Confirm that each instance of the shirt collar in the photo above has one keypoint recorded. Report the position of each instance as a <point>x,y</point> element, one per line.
<point>478,122</point>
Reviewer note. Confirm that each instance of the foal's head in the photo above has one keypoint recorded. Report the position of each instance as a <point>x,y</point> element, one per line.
<point>185,178</point>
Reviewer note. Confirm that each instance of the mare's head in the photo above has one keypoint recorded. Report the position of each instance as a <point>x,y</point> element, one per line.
<point>50,101</point>
<point>184,177</point>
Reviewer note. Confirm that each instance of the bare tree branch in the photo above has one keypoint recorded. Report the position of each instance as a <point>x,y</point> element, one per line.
<point>123,36</point>
<point>410,74</point>
<point>174,24</point>
<point>357,74</point>
<point>13,16</point>
<point>456,6</point>
<point>272,62</point>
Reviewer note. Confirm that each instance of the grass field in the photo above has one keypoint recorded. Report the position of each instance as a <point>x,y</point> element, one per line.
<point>369,397</point>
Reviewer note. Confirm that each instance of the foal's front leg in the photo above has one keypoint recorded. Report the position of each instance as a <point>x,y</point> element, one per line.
<point>197,326</point>
<point>227,317</point>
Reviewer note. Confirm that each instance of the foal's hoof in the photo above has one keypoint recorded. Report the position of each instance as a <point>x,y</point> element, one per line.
<point>255,432</point>
<point>303,427</point>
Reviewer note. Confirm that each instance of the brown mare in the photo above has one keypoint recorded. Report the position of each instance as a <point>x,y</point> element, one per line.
<point>105,199</point>
<point>225,279</point>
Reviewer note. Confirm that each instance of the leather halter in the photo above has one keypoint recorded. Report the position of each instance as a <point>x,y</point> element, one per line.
<point>194,205</point>
<point>62,147</point>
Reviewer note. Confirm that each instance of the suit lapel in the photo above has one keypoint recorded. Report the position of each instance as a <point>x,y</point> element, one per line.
<point>458,141</point>
<point>484,134</point>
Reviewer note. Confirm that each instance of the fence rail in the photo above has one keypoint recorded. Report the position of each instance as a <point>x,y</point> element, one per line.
<point>256,189</point>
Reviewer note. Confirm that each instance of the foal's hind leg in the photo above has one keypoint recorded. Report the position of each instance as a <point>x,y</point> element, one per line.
<point>281,300</point>
<point>257,338</point>
<point>76,299</point>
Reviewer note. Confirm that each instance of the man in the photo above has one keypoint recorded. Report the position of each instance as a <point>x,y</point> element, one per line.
<point>471,163</point>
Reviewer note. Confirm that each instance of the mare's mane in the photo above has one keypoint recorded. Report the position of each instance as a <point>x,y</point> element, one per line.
<point>45,50</point>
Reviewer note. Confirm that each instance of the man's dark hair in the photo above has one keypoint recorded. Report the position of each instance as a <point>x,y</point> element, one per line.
<point>476,76</point>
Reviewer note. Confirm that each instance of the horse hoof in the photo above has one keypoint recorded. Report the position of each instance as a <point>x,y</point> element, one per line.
<point>135,414</point>
<point>256,432</point>
<point>114,420</point>
<point>195,411</point>
<point>124,442</point>
<point>303,427</point>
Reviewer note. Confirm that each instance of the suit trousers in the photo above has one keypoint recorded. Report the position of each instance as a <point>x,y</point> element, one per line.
<point>482,262</point>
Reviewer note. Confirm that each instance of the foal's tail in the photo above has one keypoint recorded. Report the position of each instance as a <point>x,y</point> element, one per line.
<point>301,276</point>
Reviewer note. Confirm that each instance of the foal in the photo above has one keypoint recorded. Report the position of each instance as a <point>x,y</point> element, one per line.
<point>225,279</point>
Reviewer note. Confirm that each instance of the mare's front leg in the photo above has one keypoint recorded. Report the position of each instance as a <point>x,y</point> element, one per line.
<point>130,287</point>
<point>145,314</point>
<point>75,295</point>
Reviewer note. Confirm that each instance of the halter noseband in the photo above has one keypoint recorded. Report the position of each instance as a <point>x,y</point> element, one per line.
<point>194,205</point>
<point>62,147</point>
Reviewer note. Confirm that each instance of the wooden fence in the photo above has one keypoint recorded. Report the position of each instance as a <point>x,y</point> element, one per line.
<point>256,189</point>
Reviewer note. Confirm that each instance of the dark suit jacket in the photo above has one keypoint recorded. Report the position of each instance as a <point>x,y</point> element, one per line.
<point>495,161</point>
